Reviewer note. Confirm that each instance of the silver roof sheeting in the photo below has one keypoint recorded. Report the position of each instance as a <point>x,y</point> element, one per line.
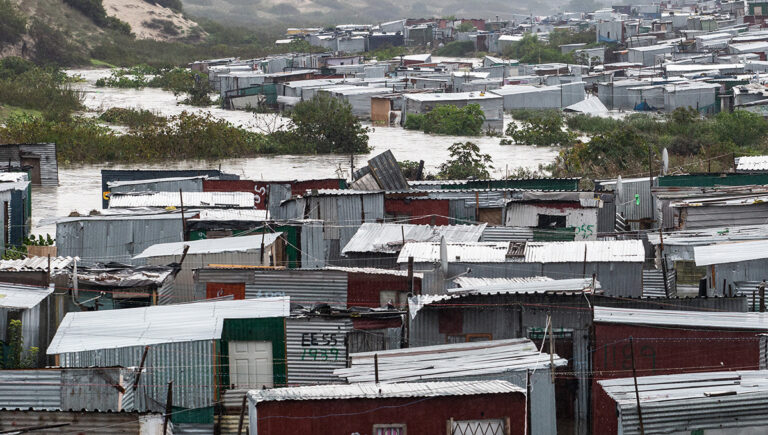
<point>538,284</point>
<point>445,362</point>
<point>480,252</point>
<point>706,236</point>
<point>701,319</point>
<point>111,329</point>
<point>752,163</point>
<point>35,264</point>
<point>691,402</point>
<point>212,246</point>
<point>730,252</point>
<point>389,238</point>
<point>604,251</point>
<point>384,391</point>
<point>18,296</point>
<point>191,199</point>
<point>374,271</point>
<point>113,184</point>
<point>231,215</point>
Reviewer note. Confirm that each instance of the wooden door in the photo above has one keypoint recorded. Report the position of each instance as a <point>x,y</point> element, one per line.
<point>34,173</point>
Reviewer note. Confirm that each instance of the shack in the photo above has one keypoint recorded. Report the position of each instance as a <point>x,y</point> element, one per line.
<point>462,407</point>
<point>32,305</point>
<point>507,360</point>
<point>114,175</point>
<point>617,264</point>
<point>117,237</point>
<point>114,286</point>
<point>733,268</point>
<point>38,160</point>
<point>541,97</point>
<point>491,104</point>
<point>206,334</point>
<point>257,250</point>
<point>197,200</point>
<point>571,215</point>
<point>725,402</point>
<point>378,244</point>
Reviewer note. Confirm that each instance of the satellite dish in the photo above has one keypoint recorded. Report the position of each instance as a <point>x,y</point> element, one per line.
<point>664,162</point>
<point>619,188</point>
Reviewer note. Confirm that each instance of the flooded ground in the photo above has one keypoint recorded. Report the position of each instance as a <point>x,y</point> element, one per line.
<point>80,186</point>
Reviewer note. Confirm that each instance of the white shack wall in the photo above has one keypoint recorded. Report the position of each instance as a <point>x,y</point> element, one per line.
<point>582,220</point>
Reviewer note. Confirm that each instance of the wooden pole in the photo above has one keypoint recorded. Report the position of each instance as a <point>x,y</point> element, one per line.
<point>551,350</point>
<point>168,407</point>
<point>242,415</point>
<point>637,391</point>
<point>376,366</point>
<point>183,221</point>
<point>141,368</point>
<point>411,285</point>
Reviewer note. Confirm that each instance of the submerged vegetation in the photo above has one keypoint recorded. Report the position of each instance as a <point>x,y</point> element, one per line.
<point>180,81</point>
<point>449,120</point>
<point>47,90</point>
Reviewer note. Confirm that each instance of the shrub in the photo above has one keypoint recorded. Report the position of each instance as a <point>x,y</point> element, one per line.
<point>544,129</point>
<point>456,49</point>
<point>92,9</point>
<point>54,47</point>
<point>36,88</point>
<point>450,120</point>
<point>327,125</point>
<point>133,118</point>
<point>466,161</point>
<point>13,23</point>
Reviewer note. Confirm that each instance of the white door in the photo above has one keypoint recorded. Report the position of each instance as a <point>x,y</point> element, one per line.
<point>250,364</point>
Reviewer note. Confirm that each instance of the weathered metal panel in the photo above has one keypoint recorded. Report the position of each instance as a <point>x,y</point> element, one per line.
<point>90,389</point>
<point>108,175</point>
<point>305,287</point>
<point>707,217</point>
<point>312,245</point>
<point>461,212</point>
<point>316,347</point>
<point>186,185</point>
<point>82,422</point>
<point>223,275</point>
<point>277,193</point>
<point>49,168</point>
<point>118,240</point>
<point>653,283</point>
<point>24,389</point>
<point>189,364</point>
<point>350,216</point>
<point>386,170</point>
<point>634,202</point>
<point>507,234</point>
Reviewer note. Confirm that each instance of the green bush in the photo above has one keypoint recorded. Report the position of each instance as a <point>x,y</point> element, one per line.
<point>133,118</point>
<point>449,120</point>
<point>327,125</point>
<point>466,161</point>
<point>456,49</point>
<point>93,9</point>
<point>54,47</point>
<point>544,129</point>
<point>13,23</point>
<point>31,87</point>
<point>171,4</point>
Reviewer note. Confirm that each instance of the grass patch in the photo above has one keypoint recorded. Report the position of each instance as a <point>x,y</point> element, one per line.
<point>100,63</point>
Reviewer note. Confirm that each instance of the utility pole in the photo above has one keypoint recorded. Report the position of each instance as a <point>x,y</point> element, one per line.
<point>637,392</point>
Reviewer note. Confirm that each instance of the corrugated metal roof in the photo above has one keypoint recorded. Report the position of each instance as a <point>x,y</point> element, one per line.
<point>383,391</point>
<point>706,236</point>
<point>191,199</point>
<point>479,252</point>
<point>700,319</point>
<point>22,296</point>
<point>683,403</point>
<point>374,270</point>
<point>212,246</point>
<point>449,361</point>
<point>536,284</point>
<point>387,172</point>
<point>35,264</point>
<point>113,184</point>
<point>83,331</point>
<point>231,215</point>
<point>13,177</point>
<point>604,251</point>
<point>472,282</point>
<point>389,238</point>
<point>752,163</point>
<point>730,252</point>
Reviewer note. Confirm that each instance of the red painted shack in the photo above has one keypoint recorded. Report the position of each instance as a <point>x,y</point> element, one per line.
<point>261,189</point>
<point>668,342</point>
<point>390,409</point>
<point>420,211</point>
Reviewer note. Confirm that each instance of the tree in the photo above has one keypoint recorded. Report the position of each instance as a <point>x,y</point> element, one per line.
<point>12,23</point>
<point>466,26</point>
<point>328,125</point>
<point>16,357</point>
<point>466,162</point>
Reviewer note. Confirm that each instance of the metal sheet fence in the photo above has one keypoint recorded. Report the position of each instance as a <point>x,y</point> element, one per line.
<point>316,347</point>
